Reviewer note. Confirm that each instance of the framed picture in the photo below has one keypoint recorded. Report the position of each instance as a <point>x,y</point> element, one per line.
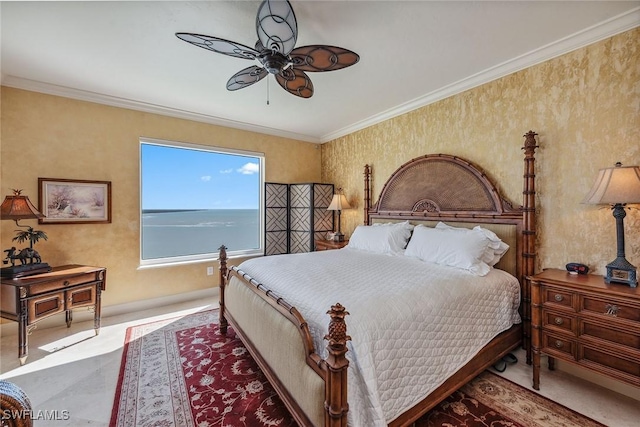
<point>72,201</point>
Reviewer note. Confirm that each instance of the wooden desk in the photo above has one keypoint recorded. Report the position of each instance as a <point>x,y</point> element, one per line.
<point>27,300</point>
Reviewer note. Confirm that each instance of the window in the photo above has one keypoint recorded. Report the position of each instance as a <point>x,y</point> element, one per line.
<point>195,199</point>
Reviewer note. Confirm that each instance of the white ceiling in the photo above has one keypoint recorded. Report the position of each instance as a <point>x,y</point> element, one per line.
<point>411,53</point>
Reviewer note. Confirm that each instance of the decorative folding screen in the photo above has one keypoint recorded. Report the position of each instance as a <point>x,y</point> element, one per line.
<point>309,218</point>
<point>277,219</point>
<point>306,218</point>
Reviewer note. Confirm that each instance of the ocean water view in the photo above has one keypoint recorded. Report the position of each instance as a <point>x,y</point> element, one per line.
<point>169,233</point>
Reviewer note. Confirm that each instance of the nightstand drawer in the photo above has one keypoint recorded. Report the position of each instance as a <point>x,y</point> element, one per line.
<point>610,308</point>
<point>555,320</point>
<point>558,345</point>
<point>626,338</point>
<point>556,297</point>
<point>327,245</point>
<point>617,366</point>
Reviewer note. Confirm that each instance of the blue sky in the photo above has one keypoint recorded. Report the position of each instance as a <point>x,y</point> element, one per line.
<point>184,178</point>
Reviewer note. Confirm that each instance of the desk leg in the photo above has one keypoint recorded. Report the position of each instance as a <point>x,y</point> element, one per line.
<point>68,315</point>
<point>23,336</point>
<point>96,311</point>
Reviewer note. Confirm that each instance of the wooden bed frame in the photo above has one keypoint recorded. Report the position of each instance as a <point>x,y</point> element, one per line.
<point>414,192</point>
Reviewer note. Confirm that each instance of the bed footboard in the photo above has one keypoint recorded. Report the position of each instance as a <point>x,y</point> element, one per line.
<point>313,389</point>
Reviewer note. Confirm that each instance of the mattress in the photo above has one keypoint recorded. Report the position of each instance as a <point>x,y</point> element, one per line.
<point>413,324</point>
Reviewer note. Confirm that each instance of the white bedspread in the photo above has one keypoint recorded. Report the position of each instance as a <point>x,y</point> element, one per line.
<point>412,324</point>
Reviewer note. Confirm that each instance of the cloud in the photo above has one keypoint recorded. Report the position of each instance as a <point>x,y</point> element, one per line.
<point>226,171</point>
<point>205,178</point>
<point>249,169</point>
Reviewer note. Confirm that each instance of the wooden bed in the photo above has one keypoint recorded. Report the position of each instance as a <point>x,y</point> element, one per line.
<point>428,189</point>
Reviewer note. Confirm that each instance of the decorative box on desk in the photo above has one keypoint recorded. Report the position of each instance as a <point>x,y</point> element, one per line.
<point>583,320</point>
<point>30,299</point>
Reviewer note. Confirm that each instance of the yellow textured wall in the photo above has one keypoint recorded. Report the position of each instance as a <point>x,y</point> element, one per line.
<point>55,137</point>
<point>585,106</point>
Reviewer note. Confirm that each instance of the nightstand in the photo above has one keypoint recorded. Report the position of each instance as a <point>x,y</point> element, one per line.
<point>327,245</point>
<point>583,320</point>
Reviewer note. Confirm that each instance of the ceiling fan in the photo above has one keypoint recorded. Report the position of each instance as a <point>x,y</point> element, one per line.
<point>277,34</point>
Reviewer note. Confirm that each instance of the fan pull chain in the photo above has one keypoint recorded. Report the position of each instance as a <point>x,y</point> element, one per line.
<point>268,90</point>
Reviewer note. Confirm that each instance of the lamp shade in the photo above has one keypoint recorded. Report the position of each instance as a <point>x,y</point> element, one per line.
<point>18,207</point>
<point>338,203</point>
<point>619,184</point>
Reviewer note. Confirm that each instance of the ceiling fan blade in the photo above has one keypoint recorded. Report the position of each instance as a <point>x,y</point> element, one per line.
<point>276,26</point>
<point>246,77</point>
<point>219,45</point>
<point>322,58</point>
<point>295,82</point>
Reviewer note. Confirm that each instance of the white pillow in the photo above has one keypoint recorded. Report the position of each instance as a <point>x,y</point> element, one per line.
<point>455,249</point>
<point>390,238</point>
<point>497,248</point>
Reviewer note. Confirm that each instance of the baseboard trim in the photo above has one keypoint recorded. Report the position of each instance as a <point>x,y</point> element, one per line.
<point>8,328</point>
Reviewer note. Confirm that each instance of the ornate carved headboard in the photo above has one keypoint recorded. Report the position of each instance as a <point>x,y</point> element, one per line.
<point>441,187</point>
<point>443,184</point>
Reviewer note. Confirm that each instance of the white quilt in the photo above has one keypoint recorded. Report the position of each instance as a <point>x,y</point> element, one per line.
<point>412,324</point>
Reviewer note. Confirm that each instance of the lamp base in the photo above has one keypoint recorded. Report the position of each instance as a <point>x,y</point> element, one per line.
<point>621,271</point>
<point>25,270</point>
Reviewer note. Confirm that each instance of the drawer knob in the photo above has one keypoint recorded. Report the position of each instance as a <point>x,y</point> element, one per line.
<point>559,344</point>
<point>612,310</point>
<point>558,297</point>
<point>559,320</point>
<point>66,283</point>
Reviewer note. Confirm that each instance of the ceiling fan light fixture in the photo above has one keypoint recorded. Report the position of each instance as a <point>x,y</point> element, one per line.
<point>277,31</point>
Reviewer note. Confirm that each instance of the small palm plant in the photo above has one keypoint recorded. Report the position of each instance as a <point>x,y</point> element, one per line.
<point>31,235</point>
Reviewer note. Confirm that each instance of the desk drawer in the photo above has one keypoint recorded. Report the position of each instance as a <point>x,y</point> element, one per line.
<point>44,306</point>
<point>54,285</point>
<point>81,297</point>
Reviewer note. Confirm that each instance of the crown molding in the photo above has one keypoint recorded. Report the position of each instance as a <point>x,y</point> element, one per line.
<point>113,101</point>
<point>616,25</point>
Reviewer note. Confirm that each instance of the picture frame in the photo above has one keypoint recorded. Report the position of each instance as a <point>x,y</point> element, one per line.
<point>74,201</point>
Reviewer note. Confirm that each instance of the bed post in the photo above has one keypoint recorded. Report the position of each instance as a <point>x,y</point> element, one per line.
<point>367,193</point>
<point>223,279</point>
<point>529,235</point>
<point>335,404</point>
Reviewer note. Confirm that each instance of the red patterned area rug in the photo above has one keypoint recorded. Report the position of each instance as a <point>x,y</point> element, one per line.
<point>181,372</point>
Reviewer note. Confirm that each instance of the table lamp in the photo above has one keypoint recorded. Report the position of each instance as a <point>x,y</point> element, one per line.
<point>338,203</point>
<point>17,207</point>
<point>617,186</point>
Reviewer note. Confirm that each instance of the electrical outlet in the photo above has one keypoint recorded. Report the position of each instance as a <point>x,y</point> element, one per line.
<point>209,271</point>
